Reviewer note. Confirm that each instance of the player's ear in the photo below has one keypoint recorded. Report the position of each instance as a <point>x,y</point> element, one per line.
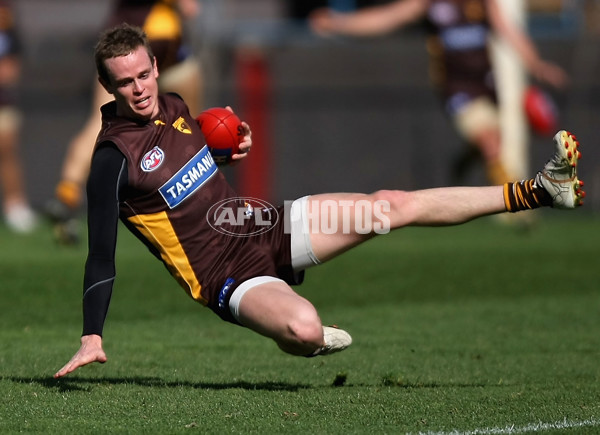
<point>155,67</point>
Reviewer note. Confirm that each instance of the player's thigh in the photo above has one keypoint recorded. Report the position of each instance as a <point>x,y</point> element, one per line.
<point>339,221</point>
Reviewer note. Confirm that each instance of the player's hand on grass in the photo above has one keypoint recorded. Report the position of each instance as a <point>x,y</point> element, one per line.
<point>90,351</point>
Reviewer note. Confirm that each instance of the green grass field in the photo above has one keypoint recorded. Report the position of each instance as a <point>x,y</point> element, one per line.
<point>477,329</point>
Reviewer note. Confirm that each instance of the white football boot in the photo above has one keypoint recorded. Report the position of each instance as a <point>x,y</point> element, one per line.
<point>559,176</point>
<point>336,340</point>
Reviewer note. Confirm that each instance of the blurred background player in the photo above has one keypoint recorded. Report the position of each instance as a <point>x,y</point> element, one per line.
<point>180,72</point>
<point>17,213</point>
<point>461,69</point>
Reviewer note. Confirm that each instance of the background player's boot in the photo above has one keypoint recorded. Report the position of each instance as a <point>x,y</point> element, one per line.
<point>64,221</point>
<point>62,211</point>
<point>336,340</point>
<point>559,176</point>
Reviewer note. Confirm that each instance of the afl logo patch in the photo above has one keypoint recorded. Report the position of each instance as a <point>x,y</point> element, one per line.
<point>152,159</point>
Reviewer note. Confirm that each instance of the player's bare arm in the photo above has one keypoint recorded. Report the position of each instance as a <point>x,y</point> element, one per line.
<point>541,69</point>
<point>368,21</point>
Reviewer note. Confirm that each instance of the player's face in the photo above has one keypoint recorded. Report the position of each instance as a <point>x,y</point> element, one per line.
<point>133,83</point>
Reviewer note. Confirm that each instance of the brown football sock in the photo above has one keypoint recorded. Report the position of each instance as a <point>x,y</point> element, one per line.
<point>525,195</point>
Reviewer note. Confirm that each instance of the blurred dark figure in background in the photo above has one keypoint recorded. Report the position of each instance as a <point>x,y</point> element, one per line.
<point>180,72</point>
<point>461,69</point>
<point>18,215</point>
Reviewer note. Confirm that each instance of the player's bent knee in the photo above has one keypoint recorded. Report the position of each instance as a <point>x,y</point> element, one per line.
<point>306,331</point>
<point>389,205</point>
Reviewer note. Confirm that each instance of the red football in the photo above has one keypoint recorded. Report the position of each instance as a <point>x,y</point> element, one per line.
<point>223,132</point>
<point>542,112</point>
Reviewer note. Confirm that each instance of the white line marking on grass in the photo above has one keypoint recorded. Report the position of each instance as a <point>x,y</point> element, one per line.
<point>533,427</point>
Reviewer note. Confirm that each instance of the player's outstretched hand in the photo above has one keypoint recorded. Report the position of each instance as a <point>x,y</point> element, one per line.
<point>90,351</point>
<point>246,142</point>
<point>550,73</point>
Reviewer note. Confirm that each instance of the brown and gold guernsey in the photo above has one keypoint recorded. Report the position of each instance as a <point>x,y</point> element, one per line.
<point>458,48</point>
<point>173,182</point>
<point>161,23</point>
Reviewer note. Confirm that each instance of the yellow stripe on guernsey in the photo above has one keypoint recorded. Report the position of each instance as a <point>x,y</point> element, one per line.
<point>157,229</point>
<point>162,22</point>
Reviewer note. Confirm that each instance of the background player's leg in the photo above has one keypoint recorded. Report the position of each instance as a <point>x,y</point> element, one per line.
<point>76,165</point>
